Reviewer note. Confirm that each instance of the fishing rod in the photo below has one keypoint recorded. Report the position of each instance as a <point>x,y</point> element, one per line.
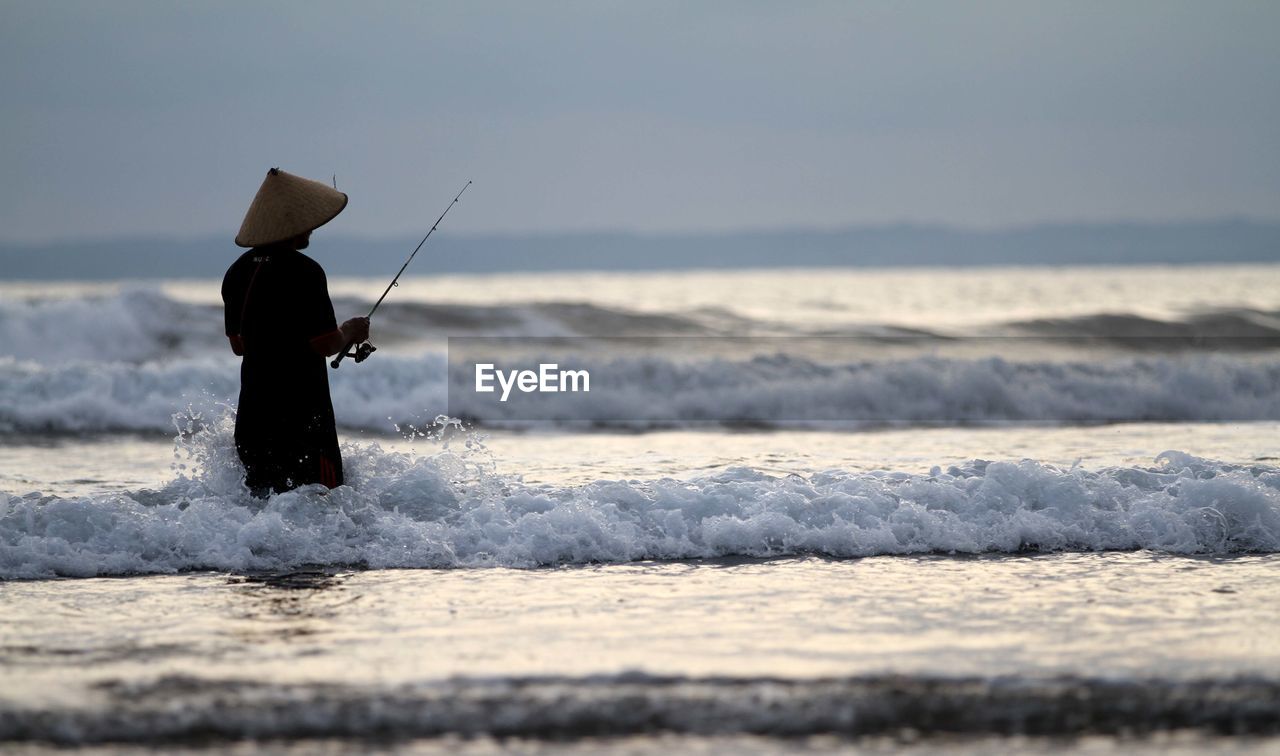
<point>362,352</point>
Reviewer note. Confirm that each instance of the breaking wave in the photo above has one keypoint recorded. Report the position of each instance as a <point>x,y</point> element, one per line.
<point>452,509</point>
<point>643,392</point>
<point>132,326</point>
<point>125,361</point>
<point>141,325</point>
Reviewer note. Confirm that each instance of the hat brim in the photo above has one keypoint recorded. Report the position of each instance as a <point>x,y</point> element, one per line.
<point>287,206</point>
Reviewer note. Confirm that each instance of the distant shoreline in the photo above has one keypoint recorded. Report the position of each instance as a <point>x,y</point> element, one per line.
<point>904,246</point>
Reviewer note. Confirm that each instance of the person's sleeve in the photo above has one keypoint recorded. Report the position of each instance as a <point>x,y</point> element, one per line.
<point>318,320</point>
<point>232,302</point>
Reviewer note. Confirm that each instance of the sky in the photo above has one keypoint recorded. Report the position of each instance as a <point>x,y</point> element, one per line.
<point>159,119</point>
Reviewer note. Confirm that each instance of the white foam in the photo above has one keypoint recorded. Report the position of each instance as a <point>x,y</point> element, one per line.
<point>80,397</point>
<point>451,510</point>
<point>134,325</point>
<point>789,390</point>
<point>646,392</point>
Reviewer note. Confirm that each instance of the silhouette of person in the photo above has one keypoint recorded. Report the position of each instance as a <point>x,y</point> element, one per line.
<point>280,320</point>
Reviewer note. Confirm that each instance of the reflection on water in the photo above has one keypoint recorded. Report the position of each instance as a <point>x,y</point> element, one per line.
<point>1119,613</point>
<point>316,579</point>
<point>286,605</point>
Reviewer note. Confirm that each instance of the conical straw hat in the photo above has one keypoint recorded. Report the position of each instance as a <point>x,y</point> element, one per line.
<point>286,206</point>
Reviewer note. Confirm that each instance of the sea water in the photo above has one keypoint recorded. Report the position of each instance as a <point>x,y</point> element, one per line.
<point>1072,546</point>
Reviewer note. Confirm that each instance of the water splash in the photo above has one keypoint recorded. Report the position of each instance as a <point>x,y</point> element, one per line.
<point>448,506</point>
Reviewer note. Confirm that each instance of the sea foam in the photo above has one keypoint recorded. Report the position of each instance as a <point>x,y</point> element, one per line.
<point>453,509</point>
<point>640,392</point>
<point>124,361</point>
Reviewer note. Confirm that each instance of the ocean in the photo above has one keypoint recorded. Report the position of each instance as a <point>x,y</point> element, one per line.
<point>837,511</point>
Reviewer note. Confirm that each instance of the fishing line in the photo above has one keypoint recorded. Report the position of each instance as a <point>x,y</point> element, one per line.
<point>362,352</point>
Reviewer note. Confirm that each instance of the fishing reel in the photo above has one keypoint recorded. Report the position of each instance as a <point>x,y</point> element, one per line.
<point>363,350</point>
<point>358,352</point>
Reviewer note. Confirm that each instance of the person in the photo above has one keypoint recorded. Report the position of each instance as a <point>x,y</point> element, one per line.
<point>280,321</point>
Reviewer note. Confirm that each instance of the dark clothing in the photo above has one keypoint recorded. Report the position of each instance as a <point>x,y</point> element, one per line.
<point>277,301</point>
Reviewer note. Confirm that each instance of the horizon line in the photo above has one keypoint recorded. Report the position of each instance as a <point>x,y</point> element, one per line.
<point>936,226</point>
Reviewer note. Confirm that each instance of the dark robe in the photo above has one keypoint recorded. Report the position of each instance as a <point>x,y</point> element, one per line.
<point>277,302</point>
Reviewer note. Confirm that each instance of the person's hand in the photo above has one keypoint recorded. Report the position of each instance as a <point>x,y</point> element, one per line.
<point>356,330</point>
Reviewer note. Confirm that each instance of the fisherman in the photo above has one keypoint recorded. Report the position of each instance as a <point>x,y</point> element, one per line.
<point>280,320</point>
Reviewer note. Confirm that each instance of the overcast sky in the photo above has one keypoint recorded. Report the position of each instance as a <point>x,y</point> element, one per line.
<point>129,118</point>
